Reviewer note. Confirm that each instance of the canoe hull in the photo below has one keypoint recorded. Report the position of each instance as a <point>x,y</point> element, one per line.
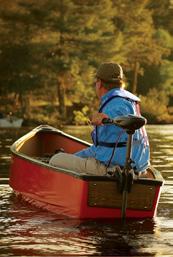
<point>79,196</point>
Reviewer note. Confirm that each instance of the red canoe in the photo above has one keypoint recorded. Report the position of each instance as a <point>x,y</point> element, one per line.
<point>68,193</point>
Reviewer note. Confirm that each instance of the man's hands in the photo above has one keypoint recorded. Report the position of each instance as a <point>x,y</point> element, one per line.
<point>97,118</point>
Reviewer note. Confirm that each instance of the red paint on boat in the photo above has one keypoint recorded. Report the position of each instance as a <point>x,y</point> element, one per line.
<point>60,191</point>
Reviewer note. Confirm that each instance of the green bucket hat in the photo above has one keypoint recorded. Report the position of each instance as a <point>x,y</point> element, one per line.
<point>109,72</point>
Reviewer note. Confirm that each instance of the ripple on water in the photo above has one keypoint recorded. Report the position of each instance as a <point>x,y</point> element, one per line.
<point>28,231</point>
<point>25,230</point>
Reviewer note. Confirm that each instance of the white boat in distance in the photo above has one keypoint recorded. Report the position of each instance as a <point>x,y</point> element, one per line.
<point>10,122</point>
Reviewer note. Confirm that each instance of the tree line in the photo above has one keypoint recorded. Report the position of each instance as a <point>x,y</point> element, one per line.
<point>50,49</point>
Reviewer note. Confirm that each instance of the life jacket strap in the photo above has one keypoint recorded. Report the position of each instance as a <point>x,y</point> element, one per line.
<point>111,145</point>
<point>119,144</point>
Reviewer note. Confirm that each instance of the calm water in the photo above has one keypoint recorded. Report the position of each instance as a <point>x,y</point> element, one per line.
<point>27,231</point>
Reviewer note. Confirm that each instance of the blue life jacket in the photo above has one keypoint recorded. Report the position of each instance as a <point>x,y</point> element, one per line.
<point>116,93</point>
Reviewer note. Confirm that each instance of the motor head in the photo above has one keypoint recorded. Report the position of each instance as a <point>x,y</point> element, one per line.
<point>129,122</point>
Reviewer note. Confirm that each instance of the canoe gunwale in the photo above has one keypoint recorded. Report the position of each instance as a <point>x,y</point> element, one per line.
<point>86,177</point>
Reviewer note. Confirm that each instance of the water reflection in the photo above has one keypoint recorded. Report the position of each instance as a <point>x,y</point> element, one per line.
<point>28,231</point>
<point>7,137</point>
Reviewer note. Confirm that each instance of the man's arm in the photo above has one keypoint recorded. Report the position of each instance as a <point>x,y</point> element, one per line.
<point>88,152</point>
<point>97,118</point>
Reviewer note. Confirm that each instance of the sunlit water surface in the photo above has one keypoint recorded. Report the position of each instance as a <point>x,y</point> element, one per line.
<point>28,231</point>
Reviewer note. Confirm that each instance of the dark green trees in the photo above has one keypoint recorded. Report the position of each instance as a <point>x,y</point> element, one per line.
<point>49,49</point>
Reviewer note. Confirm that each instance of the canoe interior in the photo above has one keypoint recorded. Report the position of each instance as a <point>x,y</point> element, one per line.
<point>41,143</point>
<point>45,143</point>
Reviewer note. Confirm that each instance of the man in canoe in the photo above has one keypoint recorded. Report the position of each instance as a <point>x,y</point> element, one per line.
<point>109,141</point>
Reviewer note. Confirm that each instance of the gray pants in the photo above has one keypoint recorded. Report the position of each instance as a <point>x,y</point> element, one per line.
<point>78,164</point>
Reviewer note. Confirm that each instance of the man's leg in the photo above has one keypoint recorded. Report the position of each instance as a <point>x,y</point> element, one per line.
<point>78,164</point>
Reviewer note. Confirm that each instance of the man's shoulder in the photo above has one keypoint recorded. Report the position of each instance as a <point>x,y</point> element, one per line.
<point>125,94</point>
<point>118,106</point>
